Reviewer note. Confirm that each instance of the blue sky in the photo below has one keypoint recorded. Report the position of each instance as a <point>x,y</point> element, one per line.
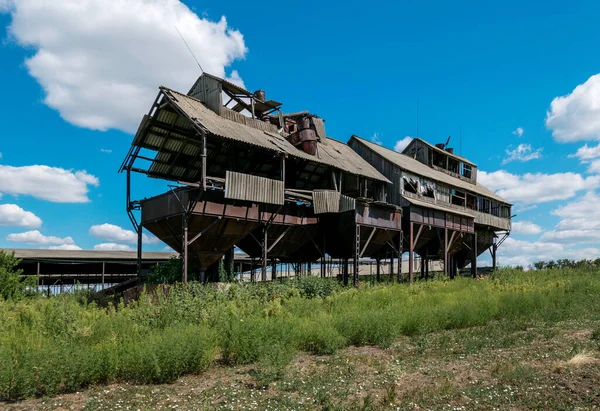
<point>517,78</point>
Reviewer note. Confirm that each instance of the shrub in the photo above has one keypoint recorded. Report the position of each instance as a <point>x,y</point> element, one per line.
<point>12,285</point>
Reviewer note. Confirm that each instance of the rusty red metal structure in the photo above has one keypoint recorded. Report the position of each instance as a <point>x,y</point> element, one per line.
<point>248,176</point>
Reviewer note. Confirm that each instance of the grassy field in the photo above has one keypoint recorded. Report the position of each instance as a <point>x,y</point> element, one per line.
<point>518,340</point>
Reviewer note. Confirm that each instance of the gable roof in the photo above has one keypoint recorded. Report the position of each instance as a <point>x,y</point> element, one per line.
<point>335,154</point>
<point>411,165</point>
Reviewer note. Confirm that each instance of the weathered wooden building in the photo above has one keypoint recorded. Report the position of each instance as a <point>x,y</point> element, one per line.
<point>447,214</point>
<point>271,183</point>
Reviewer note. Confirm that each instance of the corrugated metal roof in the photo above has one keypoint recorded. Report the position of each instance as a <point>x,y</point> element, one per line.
<point>437,206</point>
<point>413,166</point>
<point>31,253</point>
<point>335,154</point>
<point>439,150</point>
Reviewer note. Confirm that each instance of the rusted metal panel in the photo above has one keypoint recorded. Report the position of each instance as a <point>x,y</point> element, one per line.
<point>331,201</point>
<point>326,201</point>
<point>247,187</point>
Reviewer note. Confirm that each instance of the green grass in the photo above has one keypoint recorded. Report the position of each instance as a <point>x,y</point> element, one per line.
<point>57,345</point>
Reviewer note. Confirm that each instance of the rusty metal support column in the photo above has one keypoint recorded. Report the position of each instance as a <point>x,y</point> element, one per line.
<point>139,252</point>
<point>184,263</point>
<point>203,162</point>
<point>494,251</point>
<point>474,258</point>
<point>345,272</point>
<point>356,255</point>
<point>410,254</point>
<point>264,255</point>
<point>446,271</point>
<point>400,252</point>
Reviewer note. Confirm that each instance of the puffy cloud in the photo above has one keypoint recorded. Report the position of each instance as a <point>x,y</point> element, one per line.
<point>64,247</point>
<point>114,233</point>
<point>100,62</point>
<point>113,247</point>
<point>14,216</point>
<point>523,152</point>
<point>517,252</point>
<point>526,228</point>
<point>518,132</point>
<point>47,183</point>
<point>576,116</point>
<point>36,238</point>
<point>587,153</point>
<point>533,188</point>
<point>579,224</point>
<point>401,144</point>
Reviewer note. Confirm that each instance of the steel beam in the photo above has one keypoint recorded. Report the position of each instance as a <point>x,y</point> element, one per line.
<point>410,254</point>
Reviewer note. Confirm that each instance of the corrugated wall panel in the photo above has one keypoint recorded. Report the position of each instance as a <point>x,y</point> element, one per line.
<point>326,201</point>
<point>239,186</point>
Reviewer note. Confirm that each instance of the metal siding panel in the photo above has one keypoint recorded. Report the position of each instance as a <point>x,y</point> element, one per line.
<point>247,187</point>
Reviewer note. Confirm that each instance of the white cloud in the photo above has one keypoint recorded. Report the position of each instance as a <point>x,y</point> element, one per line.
<point>517,252</point>
<point>113,247</point>
<point>523,152</point>
<point>586,153</point>
<point>401,144</point>
<point>579,224</point>
<point>114,233</point>
<point>64,247</point>
<point>526,228</point>
<point>518,132</point>
<point>535,188</point>
<point>36,238</point>
<point>375,139</point>
<point>576,116</point>
<point>105,150</point>
<point>100,62</point>
<point>47,183</point>
<point>14,216</point>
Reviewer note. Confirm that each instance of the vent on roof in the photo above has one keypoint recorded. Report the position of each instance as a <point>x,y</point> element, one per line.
<point>303,134</point>
<point>450,150</point>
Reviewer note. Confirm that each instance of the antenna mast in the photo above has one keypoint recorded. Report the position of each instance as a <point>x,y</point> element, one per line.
<point>417,117</point>
<point>191,52</point>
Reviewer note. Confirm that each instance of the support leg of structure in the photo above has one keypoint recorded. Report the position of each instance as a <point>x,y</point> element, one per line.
<point>423,268</point>
<point>139,252</point>
<point>273,269</point>
<point>103,271</point>
<point>474,257</point>
<point>378,274</point>
<point>446,261</point>
<point>345,272</point>
<point>410,254</point>
<point>494,251</point>
<point>356,255</point>
<point>228,264</point>
<point>264,255</point>
<point>184,264</point>
<point>400,252</point>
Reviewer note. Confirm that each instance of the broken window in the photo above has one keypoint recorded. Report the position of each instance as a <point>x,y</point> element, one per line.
<point>428,190</point>
<point>459,198</point>
<point>471,202</point>
<point>466,170</point>
<point>443,193</point>
<point>411,185</point>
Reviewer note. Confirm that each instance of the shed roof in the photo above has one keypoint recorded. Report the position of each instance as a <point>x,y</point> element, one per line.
<point>439,150</point>
<point>335,154</point>
<point>413,166</point>
<point>437,206</point>
<point>97,255</point>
